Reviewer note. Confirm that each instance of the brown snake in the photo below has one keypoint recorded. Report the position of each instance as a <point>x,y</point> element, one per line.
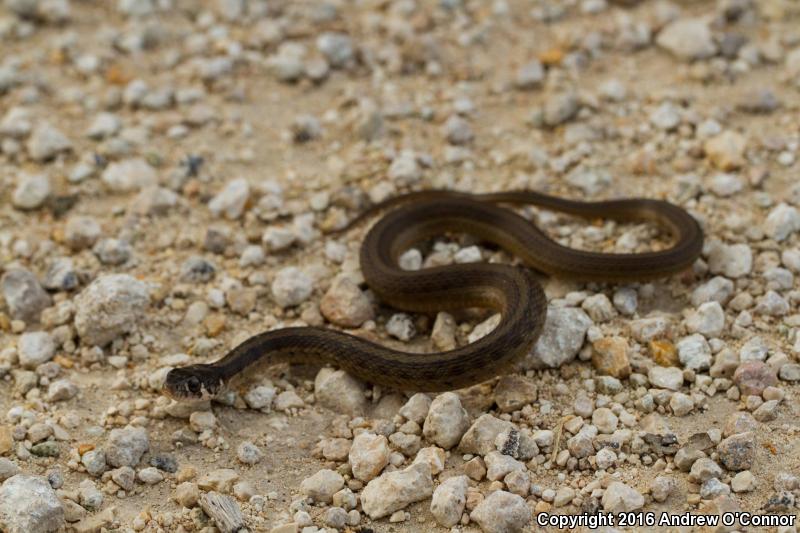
<point>509,290</point>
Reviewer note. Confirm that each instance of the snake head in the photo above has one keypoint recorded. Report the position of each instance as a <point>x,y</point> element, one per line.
<point>194,382</point>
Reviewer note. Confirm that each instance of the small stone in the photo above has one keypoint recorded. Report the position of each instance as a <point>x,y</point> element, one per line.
<point>661,487</point>
<point>340,392</point>
<point>61,276</point>
<point>790,372</point>
<point>561,338</point>
<point>150,476</point>
<point>732,261</point>
<point>498,465</point>
<point>737,451</point>
<point>95,462</point>
<point>7,469</point>
<point>35,348</point>
<point>726,150</point>
<point>767,411</point>
<point>457,131</point>
<point>221,479</point>
<point>605,420</point>
<point>513,392</point>
<point>113,251</point>
<point>416,408</point>
<point>610,357</point>
<point>744,481</point>
<point>480,437</point>
<point>291,287</point>
<point>126,446</point>
<point>345,304</point>
<point>24,296</point>
<point>260,397</point>
<point>231,200</point>
<point>530,75</point>
<point>29,505</point>
<point>502,512</point>
<point>337,48</point>
<point>46,142</point>
<point>449,499</point>
<point>393,491</point>
<point>288,400</point>
<point>560,108</point>
<point>694,352</point>
<point>31,192</point>
<point>713,488</point>
<point>124,477</point>
<point>605,458</point>
<point>704,469</point>
<point>443,333</point>
<point>666,117</point>
<point>129,175</point>
<point>81,232</point>
<point>187,494</point>
<point>475,468</point>
<point>681,404</point>
<point>752,377</point>
<point>401,327</point>
<point>446,421</point>
<point>665,377</point>
<point>248,453</point>
<point>111,305</point>
<point>368,455</point>
<point>621,498</point>
<point>781,222</point>
<point>687,39</point>
<point>707,320</point>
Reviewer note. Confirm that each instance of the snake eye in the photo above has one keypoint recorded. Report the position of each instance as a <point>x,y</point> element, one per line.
<point>193,384</point>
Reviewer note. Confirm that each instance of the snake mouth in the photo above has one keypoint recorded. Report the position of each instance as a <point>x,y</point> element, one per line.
<point>195,382</point>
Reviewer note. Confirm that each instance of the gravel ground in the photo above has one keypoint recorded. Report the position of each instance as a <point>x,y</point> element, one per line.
<point>171,174</point>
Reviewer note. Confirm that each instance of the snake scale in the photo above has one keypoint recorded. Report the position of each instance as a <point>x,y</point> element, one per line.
<point>509,290</point>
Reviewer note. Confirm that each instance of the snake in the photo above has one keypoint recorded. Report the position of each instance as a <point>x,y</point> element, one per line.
<point>512,290</point>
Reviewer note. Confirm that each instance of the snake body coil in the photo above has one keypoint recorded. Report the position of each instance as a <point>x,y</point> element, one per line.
<point>511,291</point>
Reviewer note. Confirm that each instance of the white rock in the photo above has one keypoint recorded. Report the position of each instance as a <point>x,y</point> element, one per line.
<point>29,505</point>
<point>666,117</point>
<point>499,465</point>
<point>665,377</point>
<point>502,512</point>
<point>562,337</point>
<point>620,498</point>
<point>125,446</point>
<point>248,453</point>
<point>783,220</point>
<point>416,408</point>
<point>717,289</point>
<point>129,175</point>
<point>707,320</point>
<point>681,404</point>
<point>480,437</point>
<point>694,352</point>
<point>278,238</point>
<point>599,308</point>
<point>322,486</point>
<point>17,123</point>
<point>231,200</point>
<point>46,142</point>
<point>449,499</point>
<point>35,348</point>
<point>732,261</point>
<point>111,305</point>
<point>446,421</point>
<point>23,294</point>
<point>687,39</point>
<point>340,392</point>
<point>396,490</point>
<point>260,397</point>
<point>345,304</point>
<point>368,455</point>
<point>31,191</point>
<point>336,47</point>
<point>104,125</point>
<point>401,327</point>
<point>291,286</point>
